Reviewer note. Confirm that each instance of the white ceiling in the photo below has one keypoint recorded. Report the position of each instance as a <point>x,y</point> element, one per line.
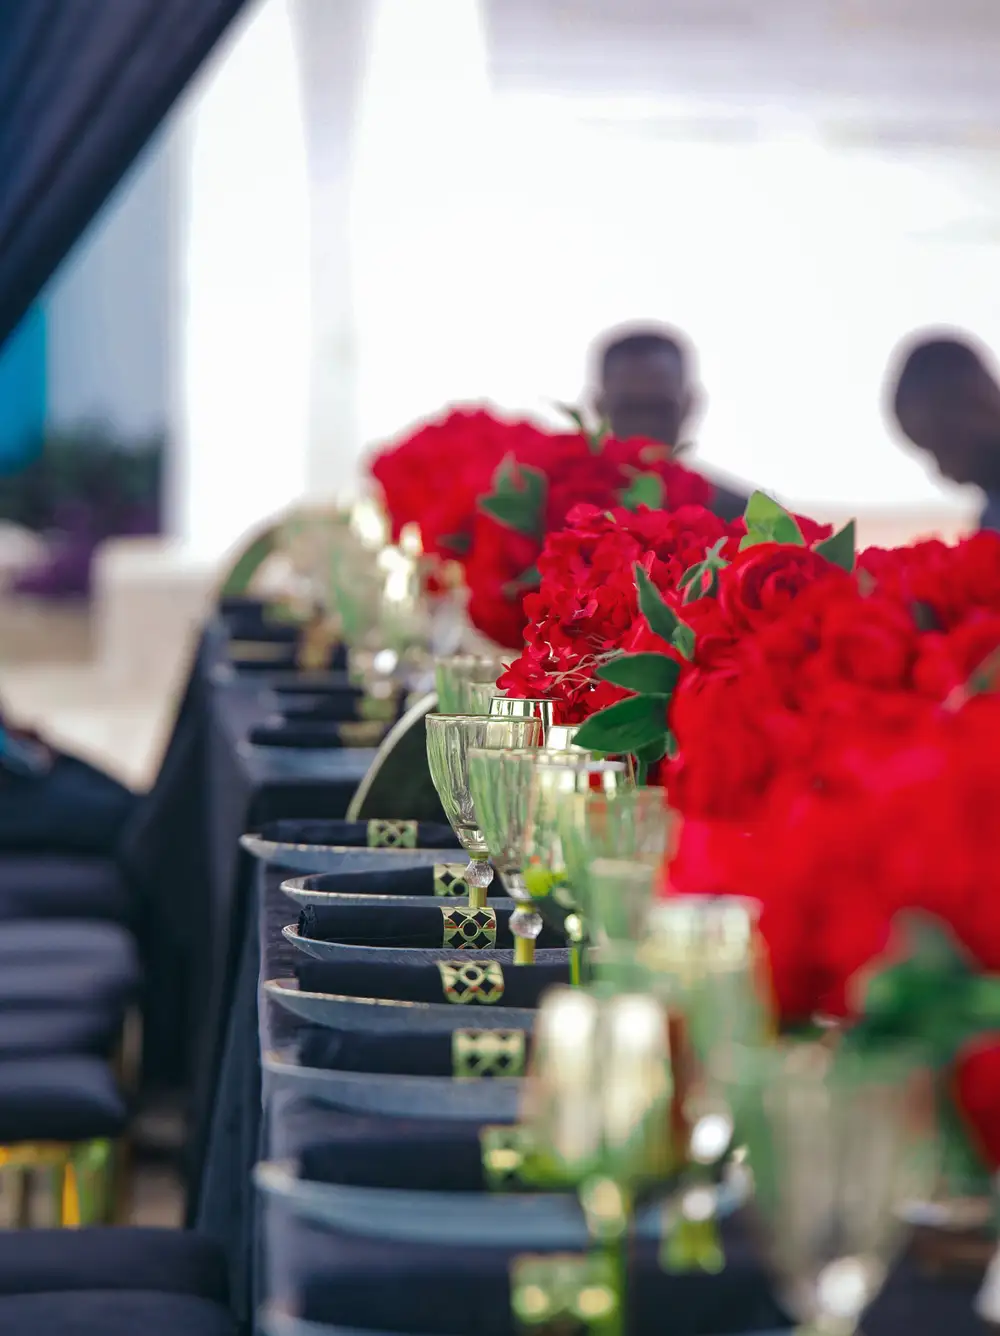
<point>880,60</point>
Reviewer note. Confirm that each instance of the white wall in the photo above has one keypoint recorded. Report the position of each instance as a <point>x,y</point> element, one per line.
<point>362,230</point>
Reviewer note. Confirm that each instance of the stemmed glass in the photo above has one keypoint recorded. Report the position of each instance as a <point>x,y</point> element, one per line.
<point>558,776</point>
<point>500,782</point>
<point>449,740</point>
<point>454,675</point>
<point>839,1143</point>
<point>631,825</point>
<point>523,707</point>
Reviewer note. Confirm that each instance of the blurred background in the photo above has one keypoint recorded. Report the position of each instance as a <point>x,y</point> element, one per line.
<point>360,210</point>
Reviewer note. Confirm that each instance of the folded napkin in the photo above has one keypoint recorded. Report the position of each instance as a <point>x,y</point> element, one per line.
<point>407,1052</point>
<point>424,1288</point>
<point>440,925</point>
<point>362,834</point>
<point>296,735</point>
<point>372,1151</point>
<point>486,981</point>
<point>338,706</point>
<point>443,879</point>
<point>246,627</point>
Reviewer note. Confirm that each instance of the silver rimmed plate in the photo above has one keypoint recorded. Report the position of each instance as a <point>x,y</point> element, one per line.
<point>345,858</point>
<point>332,1009</point>
<point>518,1220</point>
<point>493,1099</point>
<point>307,891</point>
<point>348,954</point>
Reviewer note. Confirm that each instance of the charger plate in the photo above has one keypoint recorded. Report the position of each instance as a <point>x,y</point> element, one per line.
<point>344,954</point>
<point>342,858</point>
<point>493,1099</point>
<point>553,1221</point>
<point>334,1010</point>
<point>304,891</point>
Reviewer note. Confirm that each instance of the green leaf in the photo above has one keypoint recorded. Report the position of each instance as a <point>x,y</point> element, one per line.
<point>518,498</point>
<point>627,726</point>
<point>840,547</point>
<point>649,674</point>
<point>702,579</point>
<point>683,641</point>
<point>456,542</point>
<point>663,621</point>
<point>645,489</point>
<point>769,522</point>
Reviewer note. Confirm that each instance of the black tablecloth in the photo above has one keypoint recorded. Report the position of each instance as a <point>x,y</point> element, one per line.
<point>184,850</point>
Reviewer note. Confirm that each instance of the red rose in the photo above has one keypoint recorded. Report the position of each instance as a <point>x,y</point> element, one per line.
<point>763,580</point>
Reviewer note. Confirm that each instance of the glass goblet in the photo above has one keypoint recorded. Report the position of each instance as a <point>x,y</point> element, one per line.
<point>557,776</point>
<point>481,696</point>
<point>838,1145</point>
<point>631,824</point>
<point>500,781</point>
<point>523,707</point>
<point>449,740</point>
<point>453,676</point>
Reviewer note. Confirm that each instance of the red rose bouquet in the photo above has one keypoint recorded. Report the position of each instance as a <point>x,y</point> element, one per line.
<point>487,492</point>
<point>825,724</point>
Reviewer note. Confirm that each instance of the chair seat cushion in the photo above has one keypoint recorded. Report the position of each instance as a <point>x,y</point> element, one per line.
<point>112,1313</point>
<point>168,1261</point>
<point>59,1099</point>
<point>59,1029</point>
<point>34,984</point>
<point>35,886</point>
<point>67,939</point>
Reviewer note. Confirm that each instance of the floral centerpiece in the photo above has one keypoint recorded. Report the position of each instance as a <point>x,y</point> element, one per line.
<point>486,491</point>
<point>826,725</point>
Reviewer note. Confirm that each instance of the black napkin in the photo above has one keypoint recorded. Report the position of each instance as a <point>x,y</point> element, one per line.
<point>486,980</point>
<point>244,627</point>
<point>338,706</point>
<point>423,1288</point>
<point>441,925</point>
<point>405,1052</point>
<point>353,835</point>
<point>407,881</point>
<point>296,735</point>
<point>372,1151</point>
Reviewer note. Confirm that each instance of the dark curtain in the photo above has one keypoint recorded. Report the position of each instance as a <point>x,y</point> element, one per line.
<point>83,86</point>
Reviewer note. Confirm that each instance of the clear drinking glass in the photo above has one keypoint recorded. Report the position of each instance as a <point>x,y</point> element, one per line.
<point>450,737</point>
<point>839,1142</point>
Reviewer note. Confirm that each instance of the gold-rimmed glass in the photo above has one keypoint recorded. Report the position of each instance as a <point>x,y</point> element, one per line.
<point>839,1143</point>
<point>557,775</point>
<point>450,737</point>
<point>500,781</point>
<point>523,707</point>
<point>453,676</point>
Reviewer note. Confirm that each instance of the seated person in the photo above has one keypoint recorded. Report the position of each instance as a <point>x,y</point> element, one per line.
<point>946,400</point>
<point>54,803</point>
<point>645,389</point>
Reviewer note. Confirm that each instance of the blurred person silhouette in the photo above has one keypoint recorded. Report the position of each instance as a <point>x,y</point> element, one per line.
<point>646,387</point>
<point>51,802</point>
<point>946,400</point>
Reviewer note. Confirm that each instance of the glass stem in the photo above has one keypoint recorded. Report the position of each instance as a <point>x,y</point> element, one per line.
<point>524,950</point>
<point>576,964</point>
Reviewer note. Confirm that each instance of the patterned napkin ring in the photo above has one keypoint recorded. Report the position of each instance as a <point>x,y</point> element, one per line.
<point>471,982</point>
<point>392,834</point>
<point>448,879</point>
<point>468,929</point>
<point>478,1054</point>
<point>504,1149</point>
<point>565,1291</point>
